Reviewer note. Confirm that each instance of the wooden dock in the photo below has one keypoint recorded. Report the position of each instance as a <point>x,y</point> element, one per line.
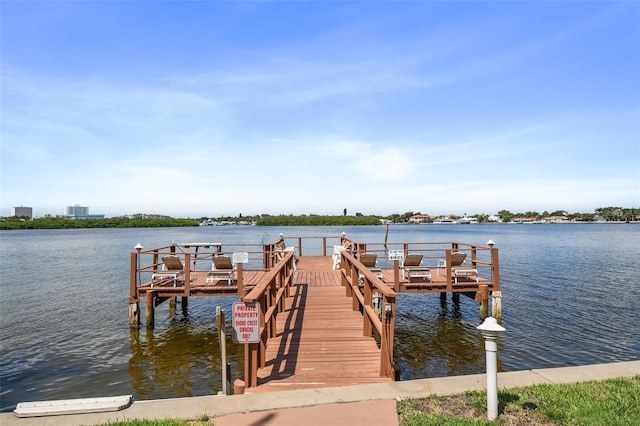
<point>319,340</point>
<point>325,320</point>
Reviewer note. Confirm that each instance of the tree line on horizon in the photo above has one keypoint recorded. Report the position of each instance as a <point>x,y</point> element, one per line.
<point>151,220</point>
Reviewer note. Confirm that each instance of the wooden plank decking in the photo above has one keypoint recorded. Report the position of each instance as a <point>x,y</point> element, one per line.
<point>326,347</point>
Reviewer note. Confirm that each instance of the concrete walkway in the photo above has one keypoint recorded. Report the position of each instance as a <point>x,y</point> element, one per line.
<point>360,405</point>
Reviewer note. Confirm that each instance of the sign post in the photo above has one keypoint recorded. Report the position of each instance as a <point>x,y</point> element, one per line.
<point>397,256</point>
<point>246,322</point>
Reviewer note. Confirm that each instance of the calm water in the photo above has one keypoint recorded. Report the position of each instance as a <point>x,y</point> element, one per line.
<point>570,297</point>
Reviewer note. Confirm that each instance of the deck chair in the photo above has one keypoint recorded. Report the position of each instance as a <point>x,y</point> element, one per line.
<point>172,268</point>
<point>337,256</point>
<point>337,250</point>
<point>222,268</point>
<point>458,269</point>
<point>412,267</point>
<point>370,261</point>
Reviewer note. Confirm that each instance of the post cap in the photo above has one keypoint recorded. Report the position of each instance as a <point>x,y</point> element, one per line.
<point>139,247</point>
<point>490,328</point>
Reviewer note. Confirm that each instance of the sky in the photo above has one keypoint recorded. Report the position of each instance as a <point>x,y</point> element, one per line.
<point>210,108</point>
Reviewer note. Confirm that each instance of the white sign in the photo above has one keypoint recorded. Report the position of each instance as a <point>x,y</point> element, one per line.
<point>241,257</point>
<point>246,322</point>
<point>396,254</point>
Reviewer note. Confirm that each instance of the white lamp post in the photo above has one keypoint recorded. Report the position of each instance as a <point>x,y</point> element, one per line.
<point>490,329</point>
<point>138,248</point>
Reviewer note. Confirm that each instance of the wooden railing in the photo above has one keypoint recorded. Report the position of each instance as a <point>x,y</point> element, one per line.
<point>270,292</point>
<point>484,258</point>
<point>361,285</point>
<point>147,262</point>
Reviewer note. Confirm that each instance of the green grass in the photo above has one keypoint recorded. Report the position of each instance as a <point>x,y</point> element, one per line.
<point>614,402</point>
<point>609,402</point>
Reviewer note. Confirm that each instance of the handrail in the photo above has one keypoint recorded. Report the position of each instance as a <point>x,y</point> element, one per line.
<point>270,292</point>
<point>483,258</point>
<point>354,274</point>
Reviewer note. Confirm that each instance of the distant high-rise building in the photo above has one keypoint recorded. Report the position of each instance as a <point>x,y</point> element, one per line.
<point>80,212</point>
<point>76,210</point>
<point>22,212</point>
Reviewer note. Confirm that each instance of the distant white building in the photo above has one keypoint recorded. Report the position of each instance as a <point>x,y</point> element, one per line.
<point>76,210</point>
<point>80,212</point>
<point>22,212</point>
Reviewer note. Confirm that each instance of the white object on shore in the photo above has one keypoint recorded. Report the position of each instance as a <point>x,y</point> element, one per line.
<point>72,406</point>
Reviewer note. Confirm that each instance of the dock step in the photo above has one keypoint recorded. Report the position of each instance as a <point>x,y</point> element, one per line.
<point>72,406</point>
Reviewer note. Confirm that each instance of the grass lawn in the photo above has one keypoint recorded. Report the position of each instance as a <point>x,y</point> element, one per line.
<point>606,403</point>
<point>614,402</point>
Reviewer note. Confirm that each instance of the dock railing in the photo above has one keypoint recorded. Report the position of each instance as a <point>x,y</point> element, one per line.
<point>271,293</point>
<point>362,285</point>
<point>437,256</point>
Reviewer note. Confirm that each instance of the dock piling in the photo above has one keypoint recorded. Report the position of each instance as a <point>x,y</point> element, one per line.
<point>483,294</point>
<point>496,306</point>
<point>150,309</point>
<point>172,307</point>
<point>134,314</point>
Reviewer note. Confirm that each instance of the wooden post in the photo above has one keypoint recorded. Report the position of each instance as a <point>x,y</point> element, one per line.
<point>240,280</point>
<point>456,298</point>
<point>496,306</point>
<point>495,268</point>
<point>260,361</point>
<point>386,340</point>
<point>273,300</point>
<point>134,314</point>
<point>384,346</point>
<point>184,303</point>
<point>187,274</point>
<point>448,271</point>
<point>238,387</point>
<point>251,364</point>
<point>133,275</point>
<point>226,381</point>
<point>150,305</point>
<point>496,294</point>
<point>368,301</point>
<point>392,327</point>
<point>483,294</point>
<point>396,276</point>
<point>443,297</point>
<point>355,283</point>
<point>134,304</point>
<point>172,306</point>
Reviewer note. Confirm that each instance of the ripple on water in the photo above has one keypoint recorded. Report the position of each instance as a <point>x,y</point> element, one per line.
<point>569,295</point>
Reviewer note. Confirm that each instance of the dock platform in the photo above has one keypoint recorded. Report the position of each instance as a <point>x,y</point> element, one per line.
<point>325,320</point>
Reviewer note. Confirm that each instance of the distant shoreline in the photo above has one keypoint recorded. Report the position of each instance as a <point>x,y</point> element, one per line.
<point>4,228</point>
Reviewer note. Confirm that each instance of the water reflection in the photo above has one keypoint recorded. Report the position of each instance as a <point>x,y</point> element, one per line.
<point>166,362</point>
<point>437,337</point>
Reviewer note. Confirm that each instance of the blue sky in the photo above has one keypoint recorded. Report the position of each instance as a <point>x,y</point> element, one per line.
<point>208,108</point>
